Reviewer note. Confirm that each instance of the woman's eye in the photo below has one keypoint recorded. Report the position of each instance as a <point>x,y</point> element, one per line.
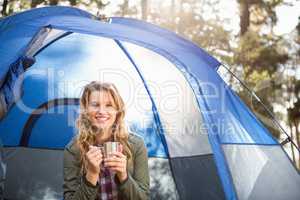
<point>94,104</point>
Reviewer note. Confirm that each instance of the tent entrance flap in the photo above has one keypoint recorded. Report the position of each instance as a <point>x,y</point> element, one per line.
<point>197,178</point>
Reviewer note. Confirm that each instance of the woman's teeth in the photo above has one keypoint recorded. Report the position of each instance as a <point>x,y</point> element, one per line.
<point>102,118</point>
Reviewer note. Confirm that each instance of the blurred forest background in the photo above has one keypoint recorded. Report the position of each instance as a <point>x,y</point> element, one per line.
<point>247,42</point>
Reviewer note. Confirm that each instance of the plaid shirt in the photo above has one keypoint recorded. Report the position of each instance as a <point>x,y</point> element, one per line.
<point>108,189</point>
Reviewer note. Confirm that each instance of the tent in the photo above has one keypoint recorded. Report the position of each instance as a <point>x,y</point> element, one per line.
<point>202,140</point>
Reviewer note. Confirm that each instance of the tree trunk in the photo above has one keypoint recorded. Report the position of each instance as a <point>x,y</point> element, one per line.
<point>244,16</point>
<point>144,5</point>
<point>298,141</point>
<point>4,8</point>
<point>35,3</point>
<point>124,8</point>
<point>292,146</point>
<point>73,2</point>
<point>296,125</point>
<point>53,2</point>
<point>181,25</point>
<point>173,11</point>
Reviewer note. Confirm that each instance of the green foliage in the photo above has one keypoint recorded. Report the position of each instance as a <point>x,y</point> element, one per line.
<point>13,6</point>
<point>294,111</point>
<point>188,19</point>
<point>259,53</point>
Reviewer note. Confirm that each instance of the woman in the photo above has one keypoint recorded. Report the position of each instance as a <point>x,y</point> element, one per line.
<point>87,174</point>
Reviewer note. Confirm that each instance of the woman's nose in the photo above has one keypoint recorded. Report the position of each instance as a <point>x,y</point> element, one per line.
<point>101,109</point>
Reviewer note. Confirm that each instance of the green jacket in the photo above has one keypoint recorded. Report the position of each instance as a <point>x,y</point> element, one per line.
<point>136,187</point>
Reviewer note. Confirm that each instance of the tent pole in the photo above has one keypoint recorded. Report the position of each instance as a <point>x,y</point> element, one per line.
<point>288,139</point>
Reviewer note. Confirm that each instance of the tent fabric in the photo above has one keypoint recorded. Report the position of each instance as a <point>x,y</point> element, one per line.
<point>37,172</point>
<point>159,129</point>
<point>40,71</point>
<point>256,169</point>
<point>19,18</point>
<point>39,185</point>
<point>14,32</point>
<point>205,184</point>
<point>11,91</point>
<point>182,122</point>
<point>32,133</point>
<point>161,180</point>
<point>60,17</point>
<point>191,136</point>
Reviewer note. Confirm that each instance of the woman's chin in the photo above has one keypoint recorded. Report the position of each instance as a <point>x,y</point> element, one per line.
<point>100,126</point>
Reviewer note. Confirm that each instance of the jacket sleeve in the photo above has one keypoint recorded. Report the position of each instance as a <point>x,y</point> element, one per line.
<point>136,187</point>
<point>75,185</point>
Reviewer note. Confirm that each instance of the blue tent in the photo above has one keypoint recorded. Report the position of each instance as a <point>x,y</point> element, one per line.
<point>202,140</point>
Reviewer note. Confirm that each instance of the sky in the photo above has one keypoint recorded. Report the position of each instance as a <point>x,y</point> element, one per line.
<point>288,18</point>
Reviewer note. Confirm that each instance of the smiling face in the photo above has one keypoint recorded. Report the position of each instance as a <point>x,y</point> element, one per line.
<point>101,109</point>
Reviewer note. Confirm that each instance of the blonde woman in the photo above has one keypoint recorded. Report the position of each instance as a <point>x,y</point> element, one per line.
<point>88,175</point>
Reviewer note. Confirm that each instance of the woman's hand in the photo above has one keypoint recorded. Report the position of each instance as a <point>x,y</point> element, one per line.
<point>94,158</point>
<point>117,162</point>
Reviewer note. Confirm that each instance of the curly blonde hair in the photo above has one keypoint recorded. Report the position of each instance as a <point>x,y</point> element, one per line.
<point>87,131</point>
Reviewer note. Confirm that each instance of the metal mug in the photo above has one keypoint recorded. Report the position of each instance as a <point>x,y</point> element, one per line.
<point>110,147</point>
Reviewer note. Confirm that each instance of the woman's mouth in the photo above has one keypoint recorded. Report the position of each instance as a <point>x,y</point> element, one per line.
<point>101,119</point>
